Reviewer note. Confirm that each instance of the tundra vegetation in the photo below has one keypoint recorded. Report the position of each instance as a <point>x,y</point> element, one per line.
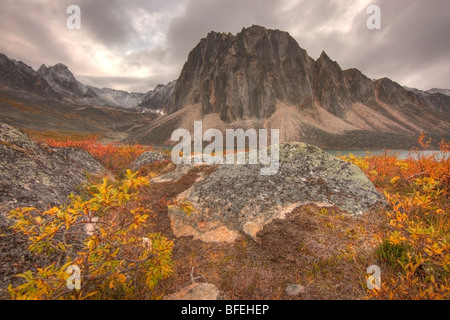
<point>107,231</point>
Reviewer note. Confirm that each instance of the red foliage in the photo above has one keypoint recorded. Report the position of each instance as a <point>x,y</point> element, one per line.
<point>114,157</point>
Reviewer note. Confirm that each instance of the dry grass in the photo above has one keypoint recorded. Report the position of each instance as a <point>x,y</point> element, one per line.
<point>19,106</point>
<point>58,135</point>
<point>323,250</point>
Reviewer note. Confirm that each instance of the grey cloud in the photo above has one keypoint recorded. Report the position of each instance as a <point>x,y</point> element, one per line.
<point>27,23</point>
<point>110,21</point>
<point>143,58</point>
<point>412,47</point>
<point>203,16</point>
<point>107,20</point>
<point>412,42</point>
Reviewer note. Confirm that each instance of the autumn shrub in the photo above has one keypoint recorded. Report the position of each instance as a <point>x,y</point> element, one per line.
<point>417,241</point>
<point>114,157</point>
<point>103,235</point>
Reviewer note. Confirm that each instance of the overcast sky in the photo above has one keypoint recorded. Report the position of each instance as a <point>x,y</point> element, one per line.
<point>136,44</point>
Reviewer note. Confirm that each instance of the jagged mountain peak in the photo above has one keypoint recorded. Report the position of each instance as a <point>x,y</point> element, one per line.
<point>58,82</point>
<point>257,78</point>
<point>159,98</point>
<point>19,75</point>
<point>243,76</point>
<point>42,68</point>
<point>324,56</point>
<point>58,69</point>
<point>325,62</point>
<point>5,59</point>
<point>62,80</point>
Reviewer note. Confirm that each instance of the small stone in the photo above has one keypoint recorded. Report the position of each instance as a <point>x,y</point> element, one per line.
<point>294,290</point>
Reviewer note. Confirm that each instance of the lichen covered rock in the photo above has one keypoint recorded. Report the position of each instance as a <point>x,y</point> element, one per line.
<point>237,198</point>
<point>33,176</point>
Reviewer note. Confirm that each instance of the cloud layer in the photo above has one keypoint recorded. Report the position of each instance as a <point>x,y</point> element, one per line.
<point>136,44</point>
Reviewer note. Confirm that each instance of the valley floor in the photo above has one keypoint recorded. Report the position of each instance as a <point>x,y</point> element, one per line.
<point>324,250</point>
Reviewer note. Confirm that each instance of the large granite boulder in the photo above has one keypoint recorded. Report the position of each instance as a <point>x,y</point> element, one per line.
<point>237,198</point>
<point>34,176</point>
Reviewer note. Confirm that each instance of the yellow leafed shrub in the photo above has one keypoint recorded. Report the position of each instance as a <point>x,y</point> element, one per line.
<point>102,235</point>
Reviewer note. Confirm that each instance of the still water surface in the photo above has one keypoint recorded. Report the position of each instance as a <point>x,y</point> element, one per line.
<point>400,154</point>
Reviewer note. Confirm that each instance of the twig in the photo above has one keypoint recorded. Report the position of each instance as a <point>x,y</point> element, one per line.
<point>191,275</point>
<point>418,174</point>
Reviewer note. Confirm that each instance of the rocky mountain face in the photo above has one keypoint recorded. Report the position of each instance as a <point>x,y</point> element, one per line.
<point>244,76</point>
<point>262,78</point>
<point>159,98</point>
<point>436,98</point>
<point>116,98</point>
<point>16,74</point>
<point>63,82</point>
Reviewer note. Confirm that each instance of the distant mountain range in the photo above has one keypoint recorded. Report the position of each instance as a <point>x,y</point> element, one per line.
<point>258,78</point>
<point>59,83</point>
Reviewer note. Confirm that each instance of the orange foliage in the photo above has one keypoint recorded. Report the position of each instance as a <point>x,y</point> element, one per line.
<point>386,169</point>
<point>417,243</point>
<point>114,157</point>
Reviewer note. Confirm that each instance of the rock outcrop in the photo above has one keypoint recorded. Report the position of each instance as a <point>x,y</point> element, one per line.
<point>236,198</point>
<point>31,175</point>
<point>336,90</point>
<point>294,290</point>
